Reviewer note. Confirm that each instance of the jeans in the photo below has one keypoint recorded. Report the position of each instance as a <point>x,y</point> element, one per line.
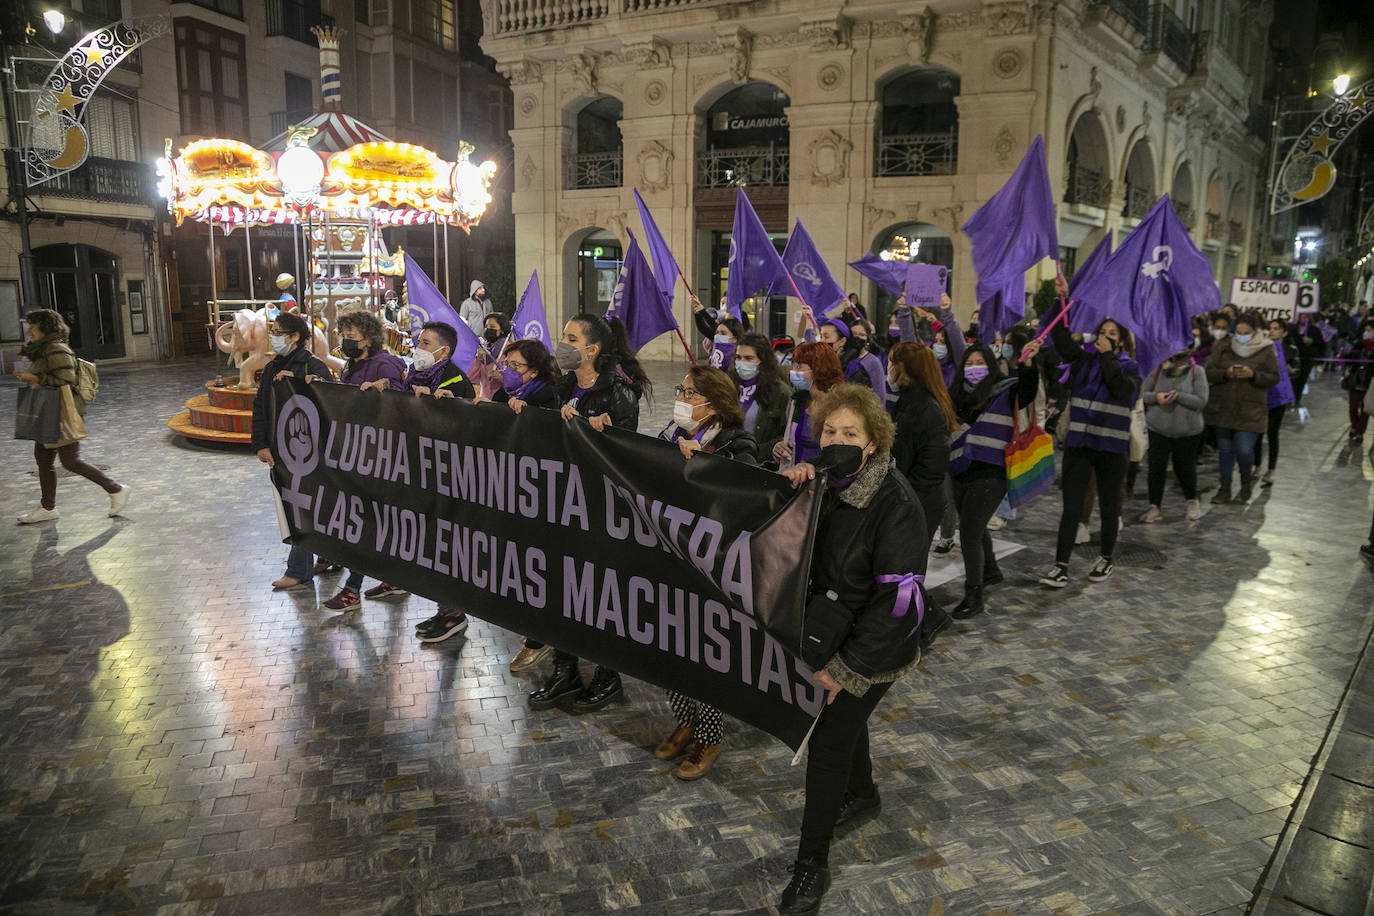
<point>71,460</point>
<point>300,564</point>
<point>354,582</point>
<point>837,761</point>
<point>977,498</point>
<point>1183,451</point>
<point>1275,422</point>
<point>1235,446</point>
<point>1080,464</point>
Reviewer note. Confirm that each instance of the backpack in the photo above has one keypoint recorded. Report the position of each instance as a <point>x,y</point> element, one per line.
<point>87,380</point>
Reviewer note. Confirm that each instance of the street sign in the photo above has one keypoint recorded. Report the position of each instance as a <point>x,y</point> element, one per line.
<point>1309,298</point>
<point>1273,298</point>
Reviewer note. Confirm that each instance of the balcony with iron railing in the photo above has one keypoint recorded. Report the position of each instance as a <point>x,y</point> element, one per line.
<point>765,166</point>
<point>1138,202</point>
<point>903,155</point>
<point>1169,36</point>
<point>1088,187</point>
<point>113,181</point>
<point>1213,226</point>
<point>1186,214</point>
<point>1235,232</point>
<point>513,17</point>
<point>294,18</point>
<point>1135,13</point>
<point>584,171</point>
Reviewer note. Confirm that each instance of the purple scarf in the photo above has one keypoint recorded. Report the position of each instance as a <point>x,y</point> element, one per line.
<point>533,386</point>
<point>427,378</point>
<point>721,355</point>
<point>747,394</point>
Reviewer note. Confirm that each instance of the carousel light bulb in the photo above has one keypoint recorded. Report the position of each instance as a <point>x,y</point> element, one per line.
<point>301,171</point>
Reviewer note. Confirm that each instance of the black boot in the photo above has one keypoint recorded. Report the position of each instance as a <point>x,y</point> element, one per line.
<point>852,806</point>
<point>564,682</point>
<point>810,881</point>
<point>992,573</point>
<point>1245,487</point>
<point>971,605</point>
<point>605,686</point>
<point>1224,494</point>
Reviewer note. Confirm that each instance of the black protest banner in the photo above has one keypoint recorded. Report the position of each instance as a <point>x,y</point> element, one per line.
<point>608,545</point>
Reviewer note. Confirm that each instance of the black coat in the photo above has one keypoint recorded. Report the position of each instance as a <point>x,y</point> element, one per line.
<point>611,394</point>
<point>301,362</point>
<point>735,444</point>
<point>885,535</point>
<point>921,448</point>
<point>544,397</point>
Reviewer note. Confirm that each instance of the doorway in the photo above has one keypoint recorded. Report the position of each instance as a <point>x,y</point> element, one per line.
<point>80,283</point>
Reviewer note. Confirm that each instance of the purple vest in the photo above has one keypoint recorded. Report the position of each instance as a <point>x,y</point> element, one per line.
<point>877,375</point>
<point>1096,419</point>
<point>986,440</point>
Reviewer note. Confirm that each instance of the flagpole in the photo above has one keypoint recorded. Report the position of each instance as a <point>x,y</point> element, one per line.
<point>1063,307</point>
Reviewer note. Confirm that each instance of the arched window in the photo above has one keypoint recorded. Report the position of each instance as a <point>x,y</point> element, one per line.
<point>1089,172</point>
<point>1140,182</point>
<point>747,138</point>
<point>1215,229</point>
<point>593,263</point>
<point>1181,194</point>
<point>918,128</point>
<point>919,242</point>
<point>598,160</point>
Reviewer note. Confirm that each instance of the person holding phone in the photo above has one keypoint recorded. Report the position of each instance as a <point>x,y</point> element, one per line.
<point>1174,396</point>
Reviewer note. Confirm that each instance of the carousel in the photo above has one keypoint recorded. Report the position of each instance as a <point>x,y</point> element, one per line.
<point>339,185</point>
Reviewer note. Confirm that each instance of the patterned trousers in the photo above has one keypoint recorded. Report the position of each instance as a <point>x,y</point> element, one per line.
<point>706,721</point>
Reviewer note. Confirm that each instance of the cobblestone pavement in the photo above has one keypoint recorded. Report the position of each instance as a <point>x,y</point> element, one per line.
<point>179,739</point>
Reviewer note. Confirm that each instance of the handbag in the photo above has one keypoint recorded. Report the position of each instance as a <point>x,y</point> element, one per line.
<point>72,427</point>
<point>1030,460</point>
<point>826,624</point>
<point>39,414</point>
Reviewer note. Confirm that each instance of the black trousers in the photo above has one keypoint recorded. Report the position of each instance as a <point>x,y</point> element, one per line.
<point>1300,381</point>
<point>977,497</point>
<point>1183,451</point>
<point>1275,423</point>
<point>560,657</point>
<point>837,761</point>
<point>1080,464</point>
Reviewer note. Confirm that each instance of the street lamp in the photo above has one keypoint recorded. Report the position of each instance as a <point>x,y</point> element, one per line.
<point>55,21</point>
<point>1341,83</point>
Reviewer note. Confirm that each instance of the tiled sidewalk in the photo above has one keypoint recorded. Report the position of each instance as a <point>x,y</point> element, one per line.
<point>179,739</point>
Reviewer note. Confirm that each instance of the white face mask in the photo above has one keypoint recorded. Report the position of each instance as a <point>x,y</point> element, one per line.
<point>682,416</point>
<point>1219,333</point>
<point>422,359</point>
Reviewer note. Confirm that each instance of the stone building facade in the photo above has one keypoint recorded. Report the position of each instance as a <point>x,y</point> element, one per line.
<point>869,123</point>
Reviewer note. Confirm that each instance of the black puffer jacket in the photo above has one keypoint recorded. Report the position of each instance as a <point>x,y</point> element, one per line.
<point>610,395</point>
<point>735,444</point>
<point>546,396</point>
<point>301,362</point>
<point>921,448</point>
<point>872,528</point>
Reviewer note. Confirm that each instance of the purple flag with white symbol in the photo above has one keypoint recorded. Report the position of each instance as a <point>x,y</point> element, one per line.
<point>889,275</point>
<point>424,298</point>
<point>1011,233</point>
<point>1154,284</point>
<point>529,321</point>
<point>1084,316</point>
<point>754,263</point>
<point>809,273</point>
<point>637,301</point>
<point>665,265</point>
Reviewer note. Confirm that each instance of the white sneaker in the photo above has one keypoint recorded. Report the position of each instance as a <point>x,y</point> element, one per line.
<point>1194,510</point>
<point>118,500</point>
<point>1084,535</point>
<point>1268,479</point>
<point>996,523</point>
<point>38,515</point>
<point>1152,515</point>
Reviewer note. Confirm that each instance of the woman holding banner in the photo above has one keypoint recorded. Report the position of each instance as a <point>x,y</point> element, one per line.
<point>815,368</point>
<point>1240,372</point>
<point>863,622</point>
<point>602,383</point>
<point>763,393</point>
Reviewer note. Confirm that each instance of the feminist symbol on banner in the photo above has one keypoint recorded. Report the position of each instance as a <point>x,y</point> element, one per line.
<point>717,358</point>
<point>534,331</point>
<point>807,273</point>
<point>1159,267</point>
<point>298,435</point>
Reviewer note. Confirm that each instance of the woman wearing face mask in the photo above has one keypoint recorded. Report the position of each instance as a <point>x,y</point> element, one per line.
<point>726,339</point>
<point>984,401</point>
<point>483,371</point>
<point>815,368</point>
<point>1278,397</point>
<point>763,393</point>
<point>602,383</point>
<point>290,343</point>
<point>1174,396</point>
<point>1102,390</point>
<point>706,418</point>
<point>859,366</point>
<point>1357,377</point>
<point>865,620</point>
<point>1240,373</point>
<point>924,417</point>
<point>432,370</point>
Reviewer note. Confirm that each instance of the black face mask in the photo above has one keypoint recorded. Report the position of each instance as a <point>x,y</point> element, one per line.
<point>491,335</point>
<point>351,348</point>
<point>841,460</point>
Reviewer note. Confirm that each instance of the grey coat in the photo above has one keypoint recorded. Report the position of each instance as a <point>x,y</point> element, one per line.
<point>1182,416</point>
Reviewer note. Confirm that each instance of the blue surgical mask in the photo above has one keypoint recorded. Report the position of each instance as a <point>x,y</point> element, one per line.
<point>746,371</point>
<point>1244,338</point>
<point>799,380</point>
<point>722,338</point>
<point>1007,351</point>
<point>279,344</point>
<point>940,350</point>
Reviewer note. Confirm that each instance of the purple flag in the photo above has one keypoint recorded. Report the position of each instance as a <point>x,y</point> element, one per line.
<point>1010,234</point>
<point>1156,281</point>
<point>637,301</point>
<point>809,273</point>
<point>754,263</point>
<point>889,275</point>
<point>1084,316</point>
<point>424,298</point>
<point>530,322</point>
<point>665,265</point>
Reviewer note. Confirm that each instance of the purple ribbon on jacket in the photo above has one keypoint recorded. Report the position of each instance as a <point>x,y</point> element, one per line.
<point>1064,376</point>
<point>908,593</point>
